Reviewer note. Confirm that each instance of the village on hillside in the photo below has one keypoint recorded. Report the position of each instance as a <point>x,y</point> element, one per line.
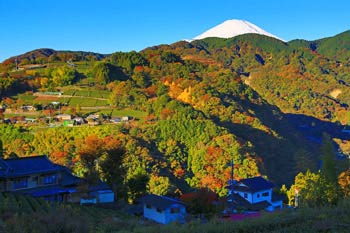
<point>38,177</point>
<point>51,116</point>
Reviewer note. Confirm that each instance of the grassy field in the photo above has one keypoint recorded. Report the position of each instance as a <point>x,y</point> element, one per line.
<point>88,98</point>
<point>26,98</point>
<point>27,115</point>
<point>69,92</point>
<point>20,213</point>
<point>86,92</point>
<point>80,96</point>
<point>86,102</point>
<point>126,112</point>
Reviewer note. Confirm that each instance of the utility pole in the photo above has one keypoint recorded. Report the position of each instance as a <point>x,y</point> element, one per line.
<point>231,183</point>
<point>16,61</point>
<point>296,203</point>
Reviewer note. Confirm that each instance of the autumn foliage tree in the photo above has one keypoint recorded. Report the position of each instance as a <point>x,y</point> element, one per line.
<point>201,201</point>
<point>102,158</point>
<point>344,182</point>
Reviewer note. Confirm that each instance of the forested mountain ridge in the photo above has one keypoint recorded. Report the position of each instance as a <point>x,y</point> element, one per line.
<point>292,76</point>
<point>46,55</point>
<point>207,103</point>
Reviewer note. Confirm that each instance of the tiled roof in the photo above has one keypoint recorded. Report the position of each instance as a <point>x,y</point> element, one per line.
<point>160,202</point>
<point>255,184</point>
<point>67,178</point>
<point>29,165</point>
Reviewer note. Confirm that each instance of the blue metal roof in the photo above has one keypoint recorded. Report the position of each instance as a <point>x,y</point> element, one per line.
<point>161,202</point>
<point>29,165</point>
<point>3,168</point>
<point>49,191</point>
<point>256,184</point>
<point>67,178</point>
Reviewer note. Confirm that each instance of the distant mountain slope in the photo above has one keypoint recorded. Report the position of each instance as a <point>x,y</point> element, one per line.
<point>298,77</point>
<point>336,47</point>
<point>45,55</point>
<point>232,28</point>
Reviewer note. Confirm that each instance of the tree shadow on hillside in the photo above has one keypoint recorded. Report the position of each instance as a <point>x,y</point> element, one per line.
<point>158,158</point>
<point>277,153</point>
<point>296,132</point>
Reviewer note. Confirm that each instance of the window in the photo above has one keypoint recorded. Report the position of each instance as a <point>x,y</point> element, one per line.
<point>148,206</point>
<point>246,195</point>
<point>174,210</point>
<point>258,195</point>
<point>19,183</point>
<point>159,210</point>
<point>266,194</point>
<point>50,179</point>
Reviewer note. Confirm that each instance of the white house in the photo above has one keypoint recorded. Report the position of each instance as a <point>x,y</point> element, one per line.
<point>254,194</point>
<point>79,120</point>
<point>63,117</point>
<point>126,118</point>
<point>163,209</point>
<point>93,117</point>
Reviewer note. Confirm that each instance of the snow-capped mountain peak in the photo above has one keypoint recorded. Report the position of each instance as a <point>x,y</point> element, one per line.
<point>232,28</point>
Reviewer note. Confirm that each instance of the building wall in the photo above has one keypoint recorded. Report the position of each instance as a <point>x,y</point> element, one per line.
<point>105,196</point>
<point>175,217</point>
<point>154,214</point>
<point>32,181</point>
<point>277,204</point>
<point>165,216</point>
<point>264,195</point>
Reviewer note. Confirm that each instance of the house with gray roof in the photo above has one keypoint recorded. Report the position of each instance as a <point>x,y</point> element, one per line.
<point>164,210</point>
<point>254,194</point>
<point>39,177</point>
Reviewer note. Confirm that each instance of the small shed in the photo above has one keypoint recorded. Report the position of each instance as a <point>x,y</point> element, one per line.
<point>163,209</point>
<point>105,196</point>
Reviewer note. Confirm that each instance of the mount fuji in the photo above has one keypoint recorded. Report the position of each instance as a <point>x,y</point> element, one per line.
<point>232,28</point>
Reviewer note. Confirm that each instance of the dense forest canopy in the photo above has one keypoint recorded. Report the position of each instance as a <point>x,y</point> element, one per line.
<point>252,99</point>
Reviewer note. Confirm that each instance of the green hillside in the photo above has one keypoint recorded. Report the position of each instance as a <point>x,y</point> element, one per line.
<point>196,106</point>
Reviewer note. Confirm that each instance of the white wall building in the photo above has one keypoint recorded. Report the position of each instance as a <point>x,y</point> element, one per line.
<point>254,193</point>
<point>163,209</point>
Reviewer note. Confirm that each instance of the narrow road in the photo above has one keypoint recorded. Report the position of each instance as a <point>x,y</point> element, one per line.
<point>68,96</point>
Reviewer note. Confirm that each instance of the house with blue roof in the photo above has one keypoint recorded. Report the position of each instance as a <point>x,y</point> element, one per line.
<point>254,194</point>
<point>39,177</point>
<point>164,210</point>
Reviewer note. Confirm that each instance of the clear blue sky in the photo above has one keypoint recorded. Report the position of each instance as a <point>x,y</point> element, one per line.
<point>107,26</point>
